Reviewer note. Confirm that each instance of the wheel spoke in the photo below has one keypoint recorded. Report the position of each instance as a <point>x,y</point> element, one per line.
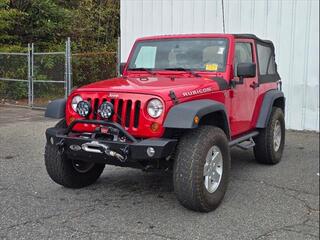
<point>215,155</point>
<point>215,176</point>
<point>206,170</point>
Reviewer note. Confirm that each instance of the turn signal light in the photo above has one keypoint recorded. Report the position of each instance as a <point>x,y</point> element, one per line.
<point>71,119</point>
<point>155,126</point>
<point>196,120</point>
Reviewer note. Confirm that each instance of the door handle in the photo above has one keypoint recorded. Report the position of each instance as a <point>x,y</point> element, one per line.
<point>254,85</point>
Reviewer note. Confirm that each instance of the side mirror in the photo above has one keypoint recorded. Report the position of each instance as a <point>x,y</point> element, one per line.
<point>245,70</point>
<point>122,65</point>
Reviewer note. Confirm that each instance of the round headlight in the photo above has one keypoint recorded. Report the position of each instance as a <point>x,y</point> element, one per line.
<point>155,108</point>
<point>75,100</point>
<point>83,108</point>
<point>106,110</point>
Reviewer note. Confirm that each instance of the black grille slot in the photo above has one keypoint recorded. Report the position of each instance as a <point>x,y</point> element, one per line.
<point>120,105</point>
<point>95,108</point>
<point>128,112</point>
<point>136,114</point>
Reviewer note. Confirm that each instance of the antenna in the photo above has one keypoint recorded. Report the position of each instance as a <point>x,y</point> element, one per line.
<point>223,24</point>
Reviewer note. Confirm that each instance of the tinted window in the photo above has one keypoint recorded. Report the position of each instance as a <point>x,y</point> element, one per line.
<point>243,54</point>
<point>196,54</point>
<point>266,60</point>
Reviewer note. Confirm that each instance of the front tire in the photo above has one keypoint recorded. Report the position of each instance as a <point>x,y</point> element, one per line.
<point>70,173</point>
<point>202,168</point>
<point>270,141</point>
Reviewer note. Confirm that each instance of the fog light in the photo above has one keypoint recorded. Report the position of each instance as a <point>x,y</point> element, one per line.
<point>151,151</point>
<point>106,110</point>
<point>83,108</point>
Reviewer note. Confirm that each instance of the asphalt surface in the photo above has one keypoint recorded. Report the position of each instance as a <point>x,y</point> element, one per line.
<point>262,202</point>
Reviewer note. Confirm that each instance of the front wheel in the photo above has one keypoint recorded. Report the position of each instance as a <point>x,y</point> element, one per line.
<point>70,173</point>
<point>270,141</point>
<point>202,168</point>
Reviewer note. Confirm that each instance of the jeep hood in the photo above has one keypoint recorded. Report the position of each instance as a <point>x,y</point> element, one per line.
<point>155,85</point>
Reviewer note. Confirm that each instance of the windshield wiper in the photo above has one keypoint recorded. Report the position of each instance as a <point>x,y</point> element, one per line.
<point>148,70</point>
<point>188,70</point>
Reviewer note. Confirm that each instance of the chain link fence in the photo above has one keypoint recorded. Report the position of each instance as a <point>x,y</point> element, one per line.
<point>34,78</point>
<point>14,78</point>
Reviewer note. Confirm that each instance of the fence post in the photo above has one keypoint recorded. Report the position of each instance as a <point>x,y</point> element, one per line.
<point>69,67</point>
<point>68,70</point>
<point>118,56</point>
<point>29,75</point>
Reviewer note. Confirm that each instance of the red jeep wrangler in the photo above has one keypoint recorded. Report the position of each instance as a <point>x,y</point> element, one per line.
<point>182,102</point>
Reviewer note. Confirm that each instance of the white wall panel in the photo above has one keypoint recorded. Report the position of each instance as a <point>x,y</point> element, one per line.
<point>293,26</point>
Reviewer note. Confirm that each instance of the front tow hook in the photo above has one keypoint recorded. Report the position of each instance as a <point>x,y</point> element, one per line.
<point>95,147</point>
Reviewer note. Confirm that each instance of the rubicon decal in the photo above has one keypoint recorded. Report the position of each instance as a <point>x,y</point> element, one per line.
<point>197,92</point>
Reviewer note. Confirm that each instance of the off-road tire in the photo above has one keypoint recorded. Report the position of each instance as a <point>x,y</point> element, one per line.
<point>62,171</point>
<point>264,151</point>
<point>188,168</point>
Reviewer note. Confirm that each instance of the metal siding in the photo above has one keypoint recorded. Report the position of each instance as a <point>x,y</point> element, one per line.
<point>293,26</point>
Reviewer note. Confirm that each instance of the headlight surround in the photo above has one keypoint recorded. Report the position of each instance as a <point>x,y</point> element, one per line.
<point>155,108</point>
<point>75,100</point>
<point>83,108</point>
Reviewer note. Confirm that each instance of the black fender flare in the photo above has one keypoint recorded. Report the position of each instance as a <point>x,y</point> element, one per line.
<point>265,110</point>
<point>182,115</point>
<point>56,109</point>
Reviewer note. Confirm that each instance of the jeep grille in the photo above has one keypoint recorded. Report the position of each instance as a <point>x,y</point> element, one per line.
<point>127,112</point>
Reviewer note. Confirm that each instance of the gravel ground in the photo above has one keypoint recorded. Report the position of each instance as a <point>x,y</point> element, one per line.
<point>262,202</point>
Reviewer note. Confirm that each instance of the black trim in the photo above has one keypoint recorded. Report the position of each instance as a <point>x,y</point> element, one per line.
<point>243,138</point>
<point>266,107</point>
<point>56,109</point>
<point>252,36</point>
<point>101,122</point>
<point>268,77</point>
<point>182,116</point>
<point>134,152</point>
<point>223,84</point>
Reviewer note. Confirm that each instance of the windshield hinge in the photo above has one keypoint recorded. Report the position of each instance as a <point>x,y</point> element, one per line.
<point>173,97</point>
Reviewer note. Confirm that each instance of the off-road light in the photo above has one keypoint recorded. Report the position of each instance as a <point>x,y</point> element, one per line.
<point>75,100</point>
<point>106,110</point>
<point>155,108</point>
<point>83,108</point>
<point>151,151</point>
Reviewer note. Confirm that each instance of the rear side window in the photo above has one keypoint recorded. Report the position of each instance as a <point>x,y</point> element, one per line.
<point>266,60</point>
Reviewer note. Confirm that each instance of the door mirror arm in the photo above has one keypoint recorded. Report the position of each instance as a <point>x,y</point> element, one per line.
<point>234,83</point>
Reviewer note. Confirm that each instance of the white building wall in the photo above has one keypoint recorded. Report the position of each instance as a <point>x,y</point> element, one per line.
<point>293,26</point>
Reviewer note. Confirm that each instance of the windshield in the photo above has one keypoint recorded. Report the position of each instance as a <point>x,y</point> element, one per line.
<point>200,54</point>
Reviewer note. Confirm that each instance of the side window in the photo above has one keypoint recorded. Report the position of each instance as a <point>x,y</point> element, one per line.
<point>243,54</point>
<point>266,60</point>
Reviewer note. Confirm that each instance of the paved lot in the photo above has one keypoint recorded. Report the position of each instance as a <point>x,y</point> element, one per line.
<point>262,202</point>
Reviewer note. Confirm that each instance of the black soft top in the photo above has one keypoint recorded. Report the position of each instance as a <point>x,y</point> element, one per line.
<point>252,36</point>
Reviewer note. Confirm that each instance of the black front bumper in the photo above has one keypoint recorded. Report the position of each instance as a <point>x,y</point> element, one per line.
<point>132,150</point>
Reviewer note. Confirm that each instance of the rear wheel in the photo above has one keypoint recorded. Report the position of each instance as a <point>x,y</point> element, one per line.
<point>201,168</point>
<point>270,142</point>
